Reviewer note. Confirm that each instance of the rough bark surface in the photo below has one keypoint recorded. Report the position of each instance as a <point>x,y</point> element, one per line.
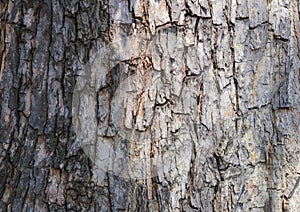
<point>238,86</point>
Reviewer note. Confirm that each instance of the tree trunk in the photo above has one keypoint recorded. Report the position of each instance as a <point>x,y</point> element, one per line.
<point>150,105</point>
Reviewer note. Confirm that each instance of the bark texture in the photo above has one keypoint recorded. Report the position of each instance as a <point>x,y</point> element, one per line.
<point>237,85</point>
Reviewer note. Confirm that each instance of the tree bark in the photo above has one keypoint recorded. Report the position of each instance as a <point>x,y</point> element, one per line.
<point>223,94</point>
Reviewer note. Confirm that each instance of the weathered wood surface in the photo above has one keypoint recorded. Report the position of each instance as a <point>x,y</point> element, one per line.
<point>238,83</point>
